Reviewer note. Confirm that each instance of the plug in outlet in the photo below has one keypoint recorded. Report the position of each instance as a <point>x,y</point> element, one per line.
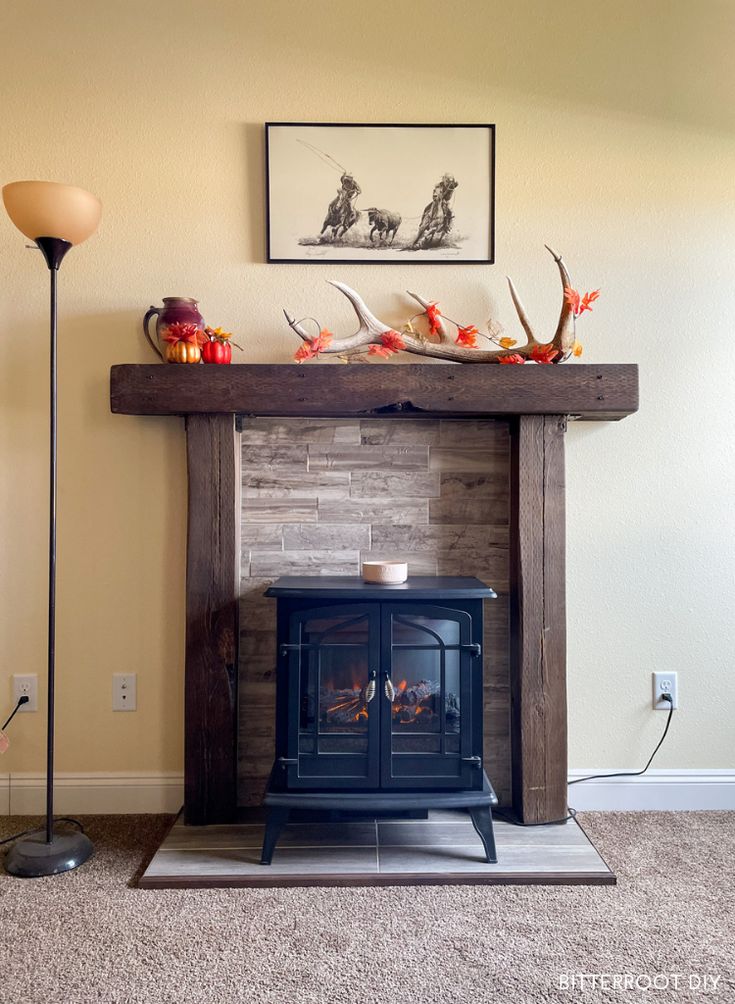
<point>124,696</point>
<point>665,683</point>
<point>25,686</point>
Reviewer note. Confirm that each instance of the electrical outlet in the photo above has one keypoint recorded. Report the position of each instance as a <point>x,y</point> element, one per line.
<point>665,683</point>
<point>25,686</point>
<point>124,687</point>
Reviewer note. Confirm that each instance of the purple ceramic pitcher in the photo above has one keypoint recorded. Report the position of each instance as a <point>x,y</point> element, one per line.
<point>175,308</point>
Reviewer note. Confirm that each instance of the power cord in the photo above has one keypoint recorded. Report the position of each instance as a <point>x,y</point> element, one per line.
<point>635,773</point>
<point>21,701</point>
<point>59,819</point>
<point>34,829</point>
<point>592,777</point>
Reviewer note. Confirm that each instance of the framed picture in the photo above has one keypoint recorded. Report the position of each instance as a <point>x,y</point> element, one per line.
<point>380,193</point>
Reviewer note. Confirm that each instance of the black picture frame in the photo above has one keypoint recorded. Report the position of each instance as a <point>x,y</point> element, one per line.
<point>356,251</point>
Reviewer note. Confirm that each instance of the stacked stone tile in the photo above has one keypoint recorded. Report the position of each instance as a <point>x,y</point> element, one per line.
<point>321,496</point>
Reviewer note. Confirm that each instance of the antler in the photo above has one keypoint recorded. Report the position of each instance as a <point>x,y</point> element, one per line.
<point>563,339</point>
<point>371,329</point>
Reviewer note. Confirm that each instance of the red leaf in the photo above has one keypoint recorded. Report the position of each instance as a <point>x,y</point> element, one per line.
<point>304,351</point>
<point>572,298</point>
<point>587,299</point>
<point>544,353</point>
<point>467,336</point>
<point>380,350</point>
<point>313,347</point>
<point>580,303</point>
<point>513,358</point>
<point>433,313</point>
<point>181,332</point>
<point>393,341</point>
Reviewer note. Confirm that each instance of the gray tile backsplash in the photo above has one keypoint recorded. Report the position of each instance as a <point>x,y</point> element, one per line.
<point>320,496</point>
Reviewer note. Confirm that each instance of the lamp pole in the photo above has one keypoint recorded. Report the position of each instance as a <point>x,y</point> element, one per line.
<point>53,250</point>
<point>47,852</point>
<point>73,214</point>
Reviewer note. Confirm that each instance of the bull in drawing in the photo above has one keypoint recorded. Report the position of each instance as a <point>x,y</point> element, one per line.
<point>384,223</point>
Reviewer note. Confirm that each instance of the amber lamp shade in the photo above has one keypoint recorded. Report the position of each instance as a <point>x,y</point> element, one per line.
<point>49,209</point>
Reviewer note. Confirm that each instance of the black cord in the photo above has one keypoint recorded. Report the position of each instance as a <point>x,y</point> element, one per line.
<point>34,829</point>
<point>552,822</point>
<point>58,819</point>
<point>593,777</point>
<point>21,701</point>
<point>634,773</point>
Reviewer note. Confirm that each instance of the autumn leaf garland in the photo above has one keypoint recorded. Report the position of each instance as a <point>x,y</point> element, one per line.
<point>391,342</point>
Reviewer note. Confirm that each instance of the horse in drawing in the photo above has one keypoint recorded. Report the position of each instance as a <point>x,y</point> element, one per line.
<point>341,214</point>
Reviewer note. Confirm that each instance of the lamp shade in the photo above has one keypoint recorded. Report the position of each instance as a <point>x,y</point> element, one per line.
<point>49,209</point>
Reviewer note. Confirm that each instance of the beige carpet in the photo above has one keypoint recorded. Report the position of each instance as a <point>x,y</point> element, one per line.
<point>92,936</point>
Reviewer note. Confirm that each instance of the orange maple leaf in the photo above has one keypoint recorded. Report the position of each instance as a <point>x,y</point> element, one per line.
<point>433,313</point>
<point>580,303</point>
<point>312,348</point>
<point>467,336</point>
<point>507,343</point>
<point>587,299</point>
<point>393,341</point>
<point>544,353</point>
<point>181,332</point>
<point>380,350</point>
<point>572,298</point>
<point>514,357</point>
<point>576,349</point>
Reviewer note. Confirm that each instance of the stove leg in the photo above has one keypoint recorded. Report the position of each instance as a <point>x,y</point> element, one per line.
<point>277,819</point>
<point>482,820</point>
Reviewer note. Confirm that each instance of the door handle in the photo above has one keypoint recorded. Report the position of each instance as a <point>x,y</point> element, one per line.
<point>370,688</point>
<point>390,690</point>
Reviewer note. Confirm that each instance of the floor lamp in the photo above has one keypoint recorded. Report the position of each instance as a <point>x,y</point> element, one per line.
<point>55,217</point>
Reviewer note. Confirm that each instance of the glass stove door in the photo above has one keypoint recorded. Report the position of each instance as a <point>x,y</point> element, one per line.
<point>426,697</point>
<point>334,718</point>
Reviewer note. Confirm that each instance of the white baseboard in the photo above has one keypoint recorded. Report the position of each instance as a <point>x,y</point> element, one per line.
<point>664,789</point>
<point>106,793</point>
<point>103,793</point>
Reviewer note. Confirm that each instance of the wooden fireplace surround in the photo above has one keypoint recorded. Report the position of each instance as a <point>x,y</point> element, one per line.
<point>537,401</point>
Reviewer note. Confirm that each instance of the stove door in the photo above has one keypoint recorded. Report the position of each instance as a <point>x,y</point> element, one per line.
<point>333,731</point>
<point>426,698</point>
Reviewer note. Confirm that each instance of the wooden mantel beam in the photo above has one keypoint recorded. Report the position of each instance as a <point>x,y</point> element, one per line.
<point>591,393</point>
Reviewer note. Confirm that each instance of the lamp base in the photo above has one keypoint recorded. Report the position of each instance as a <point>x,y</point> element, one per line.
<point>32,857</point>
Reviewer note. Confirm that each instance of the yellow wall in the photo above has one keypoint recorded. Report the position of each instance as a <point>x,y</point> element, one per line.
<point>615,144</point>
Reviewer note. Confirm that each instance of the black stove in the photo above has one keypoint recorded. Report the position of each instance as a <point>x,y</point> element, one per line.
<point>379,699</point>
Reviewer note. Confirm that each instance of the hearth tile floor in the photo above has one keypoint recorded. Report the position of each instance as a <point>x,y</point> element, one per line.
<point>444,849</point>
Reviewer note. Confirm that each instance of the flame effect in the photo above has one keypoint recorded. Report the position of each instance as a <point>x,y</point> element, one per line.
<point>345,701</point>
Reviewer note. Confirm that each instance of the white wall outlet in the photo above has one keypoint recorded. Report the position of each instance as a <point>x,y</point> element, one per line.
<point>25,685</point>
<point>124,691</point>
<point>665,683</point>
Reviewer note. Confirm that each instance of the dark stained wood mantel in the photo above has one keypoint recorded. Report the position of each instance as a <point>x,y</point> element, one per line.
<point>536,400</point>
<point>590,393</point>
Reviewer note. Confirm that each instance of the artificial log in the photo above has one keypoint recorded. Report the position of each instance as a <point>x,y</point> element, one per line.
<point>372,330</point>
<point>348,704</point>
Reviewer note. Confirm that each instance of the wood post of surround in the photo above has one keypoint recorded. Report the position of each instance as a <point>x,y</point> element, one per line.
<point>212,631</point>
<point>538,619</point>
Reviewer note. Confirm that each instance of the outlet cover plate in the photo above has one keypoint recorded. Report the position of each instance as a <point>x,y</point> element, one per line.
<point>124,692</point>
<point>665,683</point>
<point>25,683</point>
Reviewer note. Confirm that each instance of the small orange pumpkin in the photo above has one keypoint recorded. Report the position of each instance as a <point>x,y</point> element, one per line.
<point>183,352</point>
